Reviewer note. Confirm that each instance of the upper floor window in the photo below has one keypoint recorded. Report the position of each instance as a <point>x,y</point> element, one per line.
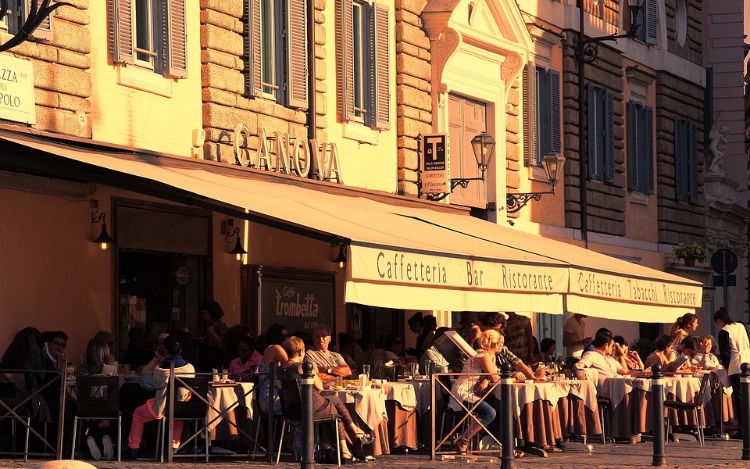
<point>19,10</point>
<point>640,148</point>
<point>646,22</point>
<point>601,148</point>
<point>362,63</point>
<point>150,34</point>
<point>276,51</point>
<point>542,104</point>
<point>686,160</point>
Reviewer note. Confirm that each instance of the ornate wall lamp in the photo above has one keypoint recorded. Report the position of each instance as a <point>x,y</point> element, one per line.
<point>233,235</point>
<point>104,239</point>
<point>482,145</point>
<point>341,257</point>
<point>553,164</point>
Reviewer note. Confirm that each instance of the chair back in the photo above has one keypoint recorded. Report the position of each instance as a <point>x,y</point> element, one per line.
<point>12,394</point>
<point>98,396</point>
<point>705,380</point>
<point>290,397</point>
<point>197,406</point>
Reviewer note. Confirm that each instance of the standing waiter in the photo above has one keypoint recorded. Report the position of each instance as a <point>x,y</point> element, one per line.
<point>734,350</point>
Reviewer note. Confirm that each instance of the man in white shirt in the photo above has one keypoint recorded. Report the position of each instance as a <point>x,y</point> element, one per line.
<point>601,360</point>
<point>330,364</point>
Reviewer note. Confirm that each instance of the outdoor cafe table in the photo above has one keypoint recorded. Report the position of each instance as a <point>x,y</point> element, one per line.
<point>545,412</point>
<point>224,399</point>
<point>402,405</point>
<point>367,408</point>
<point>631,402</point>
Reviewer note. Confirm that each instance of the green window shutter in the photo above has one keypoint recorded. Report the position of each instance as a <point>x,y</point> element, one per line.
<point>382,70</point>
<point>652,16</point>
<point>120,31</point>
<point>344,60</point>
<point>530,113</point>
<point>633,166</point>
<point>692,160</point>
<point>252,45</point>
<point>680,160</point>
<point>296,24</point>
<point>591,111</point>
<point>174,58</point>
<point>609,136</point>
<point>554,83</point>
<point>649,186</point>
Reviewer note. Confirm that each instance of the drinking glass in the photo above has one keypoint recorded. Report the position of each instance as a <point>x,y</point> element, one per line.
<point>413,370</point>
<point>428,368</point>
<point>366,371</point>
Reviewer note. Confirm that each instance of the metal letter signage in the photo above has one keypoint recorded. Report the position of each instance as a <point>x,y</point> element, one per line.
<point>435,178</point>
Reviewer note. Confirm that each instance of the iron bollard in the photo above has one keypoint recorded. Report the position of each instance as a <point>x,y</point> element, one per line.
<point>745,386</point>
<point>657,415</point>
<point>506,416</point>
<point>308,431</point>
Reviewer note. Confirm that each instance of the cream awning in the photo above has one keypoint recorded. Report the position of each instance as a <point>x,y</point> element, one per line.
<point>403,257</point>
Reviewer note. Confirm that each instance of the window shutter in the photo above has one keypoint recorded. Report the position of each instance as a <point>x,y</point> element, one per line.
<point>692,166</point>
<point>649,187</point>
<point>120,33</point>
<point>609,140</point>
<point>174,58</point>
<point>651,21</point>
<point>680,160</point>
<point>591,111</point>
<point>382,68</point>
<point>554,82</point>
<point>296,28</point>
<point>344,60</point>
<point>44,30</point>
<point>252,47</point>
<point>634,170</point>
<point>530,111</point>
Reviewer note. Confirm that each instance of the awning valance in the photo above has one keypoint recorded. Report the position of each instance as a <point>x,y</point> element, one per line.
<point>399,257</point>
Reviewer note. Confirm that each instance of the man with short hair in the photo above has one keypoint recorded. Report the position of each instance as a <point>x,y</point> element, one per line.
<point>330,364</point>
<point>54,349</point>
<point>601,359</point>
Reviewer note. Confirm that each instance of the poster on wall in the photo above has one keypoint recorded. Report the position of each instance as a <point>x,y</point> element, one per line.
<point>298,300</point>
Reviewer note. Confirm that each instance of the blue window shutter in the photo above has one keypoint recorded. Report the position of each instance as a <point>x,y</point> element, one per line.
<point>633,166</point>
<point>543,117</point>
<point>381,73</point>
<point>680,160</point>
<point>652,16</point>
<point>554,83</point>
<point>530,113</point>
<point>609,139</point>
<point>692,166</point>
<point>649,186</point>
<point>296,36</point>
<point>591,111</point>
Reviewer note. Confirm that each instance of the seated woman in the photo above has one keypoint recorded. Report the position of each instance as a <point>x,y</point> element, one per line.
<point>247,359</point>
<point>274,354</point>
<point>97,357</point>
<point>627,358</point>
<point>470,388</point>
<point>664,355</point>
<point>323,406</point>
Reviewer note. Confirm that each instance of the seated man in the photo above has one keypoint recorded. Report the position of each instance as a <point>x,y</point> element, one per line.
<point>330,364</point>
<point>601,360</point>
<point>522,370</point>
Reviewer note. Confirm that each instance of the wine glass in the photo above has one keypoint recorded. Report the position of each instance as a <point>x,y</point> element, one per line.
<point>366,371</point>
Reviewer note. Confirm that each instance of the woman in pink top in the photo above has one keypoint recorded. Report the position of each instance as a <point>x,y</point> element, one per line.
<point>247,360</point>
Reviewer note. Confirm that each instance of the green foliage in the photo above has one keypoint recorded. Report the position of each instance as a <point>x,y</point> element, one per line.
<point>690,250</point>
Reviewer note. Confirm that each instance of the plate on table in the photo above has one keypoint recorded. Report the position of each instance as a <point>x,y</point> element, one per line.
<point>222,384</point>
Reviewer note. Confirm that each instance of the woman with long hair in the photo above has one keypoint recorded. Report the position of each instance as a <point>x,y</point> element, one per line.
<point>97,364</point>
<point>273,355</point>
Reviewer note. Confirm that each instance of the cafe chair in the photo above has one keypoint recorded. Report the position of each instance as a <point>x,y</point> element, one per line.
<point>98,399</point>
<point>194,410</point>
<point>696,407</point>
<point>13,407</point>
<point>605,415</point>
<point>291,411</point>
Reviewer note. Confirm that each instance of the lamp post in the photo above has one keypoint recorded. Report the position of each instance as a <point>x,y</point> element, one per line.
<point>553,164</point>
<point>586,52</point>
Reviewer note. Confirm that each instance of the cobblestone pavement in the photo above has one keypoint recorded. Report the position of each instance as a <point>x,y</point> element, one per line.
<point>716,454</point>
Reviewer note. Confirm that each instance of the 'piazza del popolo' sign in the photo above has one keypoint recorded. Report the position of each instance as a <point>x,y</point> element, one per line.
<point>17,90</point>
<point>285,154</point>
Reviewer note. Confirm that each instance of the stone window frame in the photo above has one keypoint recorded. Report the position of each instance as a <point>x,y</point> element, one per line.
<point>363,124</point>
<point>647,22</point>
<point>287,51</point>
<point>169,43</point>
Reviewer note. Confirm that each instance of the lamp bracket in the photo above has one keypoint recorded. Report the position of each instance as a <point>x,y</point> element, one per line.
<point>517,201</point>
<point>34,17</point>
<point>96,215</point>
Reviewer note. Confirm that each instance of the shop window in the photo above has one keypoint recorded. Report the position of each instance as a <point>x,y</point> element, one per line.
<point>362,62</point>
<point>19,10</point>
<point>646,22</point>
<point>686,161</point>
<point>542,104</point>
<point>601,150</point>
<point>149,34</point>
<point>640,148</point>
<point>276,51</point>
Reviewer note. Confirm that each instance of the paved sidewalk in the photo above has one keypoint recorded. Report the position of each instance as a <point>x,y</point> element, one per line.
<point>716,454</point>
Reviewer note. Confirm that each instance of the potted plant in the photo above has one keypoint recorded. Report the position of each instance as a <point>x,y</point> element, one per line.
<point>690,252</point>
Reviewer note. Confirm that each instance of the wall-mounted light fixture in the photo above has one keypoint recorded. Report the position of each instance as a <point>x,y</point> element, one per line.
<point>341,256</point>
<point>104,238</point>
<point>233,234</point>
<point>553,164</point>
<point>482,145</point>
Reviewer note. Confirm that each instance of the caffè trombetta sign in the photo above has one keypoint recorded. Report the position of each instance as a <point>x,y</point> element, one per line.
<point>452,282</point>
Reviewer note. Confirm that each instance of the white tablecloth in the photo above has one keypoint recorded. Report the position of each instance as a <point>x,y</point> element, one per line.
<point>403,393</point>
<point>369,404</point>
<point>224,398</point>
